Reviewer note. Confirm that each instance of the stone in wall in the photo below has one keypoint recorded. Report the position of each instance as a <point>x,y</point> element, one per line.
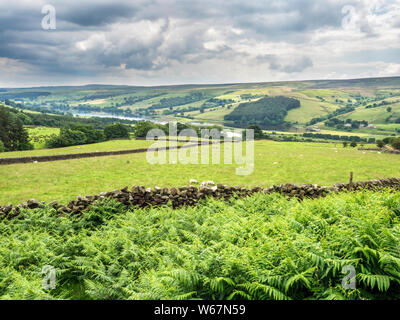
<point>140,196</point>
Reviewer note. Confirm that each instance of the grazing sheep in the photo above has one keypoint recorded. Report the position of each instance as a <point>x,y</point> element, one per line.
<point>193,181</point>
<point>207,183</point>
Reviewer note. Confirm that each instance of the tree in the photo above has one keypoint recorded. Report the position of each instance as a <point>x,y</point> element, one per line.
<point>67,137</point>
<point>116,130</point>
<point>258,133</point>
<point>92,135</point>
<point>143,127</point>
<point>1,146</point>
<point>395,143</point>
<point>345,144</point>
<point>12,132</point>
<point>389,109</point>
<point>380,144</point>
<point>353,144</point>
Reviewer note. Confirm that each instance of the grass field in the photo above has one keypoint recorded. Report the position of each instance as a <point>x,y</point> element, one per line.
<point>114,145</point>
<point>275,163</point>
<point>309,109</point>
<point>259,248</point>
<point>216,115</point>
<point>375,115</point>
<point>39,135</point>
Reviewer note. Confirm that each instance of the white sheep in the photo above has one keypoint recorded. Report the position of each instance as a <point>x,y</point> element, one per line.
<point>207,183</point>
<point>193,181</point>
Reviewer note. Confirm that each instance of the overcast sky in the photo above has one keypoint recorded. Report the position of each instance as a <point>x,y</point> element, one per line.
<point>165,42</point>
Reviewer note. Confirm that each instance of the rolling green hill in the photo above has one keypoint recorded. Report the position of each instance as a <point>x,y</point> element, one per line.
<point>319,98</point>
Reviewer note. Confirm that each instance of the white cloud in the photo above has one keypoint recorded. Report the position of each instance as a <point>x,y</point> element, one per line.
<point>178,41</point>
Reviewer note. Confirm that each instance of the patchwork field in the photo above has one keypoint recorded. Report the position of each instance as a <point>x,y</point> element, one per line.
<point>274,163</point>
<point>309,109</point>
<point>376,115</point>
<point>188,103</point>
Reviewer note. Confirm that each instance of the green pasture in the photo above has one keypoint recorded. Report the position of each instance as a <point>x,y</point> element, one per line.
<point>309,109</point>
<point>274,163</point>
<point>113,145</point>
<point>374,115</point>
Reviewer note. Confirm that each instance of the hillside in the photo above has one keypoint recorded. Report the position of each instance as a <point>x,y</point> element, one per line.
<point>268,112</point>
<point>213,103</point>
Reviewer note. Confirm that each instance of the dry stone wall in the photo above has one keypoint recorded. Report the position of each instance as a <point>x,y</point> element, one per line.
<point>380,150</point>
<point>141,196</point>
<point>4,161</point>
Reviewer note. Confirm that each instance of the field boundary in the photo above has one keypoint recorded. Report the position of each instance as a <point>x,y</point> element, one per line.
<point>380,150</point>
<point>141,197</point>
<point>58,157</point>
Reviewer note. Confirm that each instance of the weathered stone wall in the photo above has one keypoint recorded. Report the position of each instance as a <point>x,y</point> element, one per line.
<point>380,150</point>
<point>4,161</point>
<point>191,195</point>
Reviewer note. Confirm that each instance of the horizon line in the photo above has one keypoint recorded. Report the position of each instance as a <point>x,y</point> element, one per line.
<point>198,84</point>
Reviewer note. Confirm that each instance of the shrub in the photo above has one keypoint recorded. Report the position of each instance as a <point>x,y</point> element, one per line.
<point>395,143</point>
<point>116,130</point>
<point>380,144</point>
<point>387,140</point>
<point>345,144</point>
<point>143,127</point>
<point>353,144</point>
<point>76,135</point>
<point>258,133</point>
<point>67,137</point>
<point>92,135</point>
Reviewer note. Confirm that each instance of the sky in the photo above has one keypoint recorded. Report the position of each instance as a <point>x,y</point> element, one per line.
<point>168,42</point>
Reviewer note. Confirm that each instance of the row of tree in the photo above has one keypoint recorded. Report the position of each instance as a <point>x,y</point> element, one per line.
<point>337,137</point>
<point>178,101</point>
<point>86,134</point>
<point>336,113</point>
<point>142,128</point>
<point>394,142</point>
<point>74,131</point>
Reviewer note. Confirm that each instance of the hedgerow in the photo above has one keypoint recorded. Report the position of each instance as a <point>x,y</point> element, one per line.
<point>261,247</point>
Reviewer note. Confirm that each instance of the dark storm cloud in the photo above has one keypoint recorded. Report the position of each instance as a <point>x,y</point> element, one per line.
<point>296,66</point>
<point>291,65</point>
<point>92,36</point>
<point>289,16</point>
<point>89,15</point>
